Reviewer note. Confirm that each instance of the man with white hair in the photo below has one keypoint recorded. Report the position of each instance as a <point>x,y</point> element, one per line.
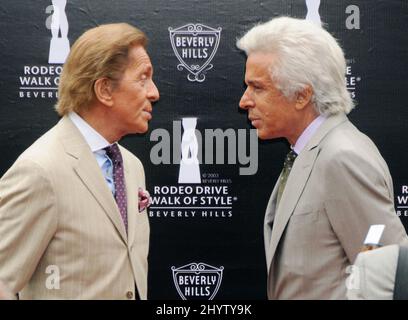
<point>334,183</point>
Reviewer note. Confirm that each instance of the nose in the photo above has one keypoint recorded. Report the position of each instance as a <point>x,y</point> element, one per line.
<point>246,101</point>
<point>153,93</point>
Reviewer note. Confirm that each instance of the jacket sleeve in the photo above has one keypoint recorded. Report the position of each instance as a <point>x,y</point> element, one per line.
<point>359,195</point>
<point>28,221</point>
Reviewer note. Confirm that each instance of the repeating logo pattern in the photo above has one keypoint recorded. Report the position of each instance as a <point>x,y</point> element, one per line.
<point>189,165</point>
<point>40,81</point>
<point>402,202</point>
<point>195,45</point>
<point>313,11</point>
<point>198,281</point>
<point>59,46</point>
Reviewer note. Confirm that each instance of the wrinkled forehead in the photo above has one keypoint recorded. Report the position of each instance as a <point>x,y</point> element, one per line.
<point>139,58</point>
<point>260,59</point>
<point>258,65</point>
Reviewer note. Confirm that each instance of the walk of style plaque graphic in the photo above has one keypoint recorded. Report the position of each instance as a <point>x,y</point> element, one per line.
<point>352,80</point>
<point>313,11</point>
<point>197,281</point>
<point>59,46</point>
<point>189,165</point>
<point>196,194</point>
<point>401,202</point>
<point>41,81</point>
<point>195,45</point>
<point>313,15</point>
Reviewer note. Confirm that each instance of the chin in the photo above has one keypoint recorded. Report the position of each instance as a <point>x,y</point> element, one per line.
<point>143,129</point>
<point>140,129</point>
<point>264,135</point>
<point>261,135</point>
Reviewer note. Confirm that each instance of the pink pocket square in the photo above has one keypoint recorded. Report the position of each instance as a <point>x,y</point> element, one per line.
<point>144,199</point>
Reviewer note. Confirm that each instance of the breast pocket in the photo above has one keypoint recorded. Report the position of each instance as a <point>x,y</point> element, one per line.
<point>305,214</point>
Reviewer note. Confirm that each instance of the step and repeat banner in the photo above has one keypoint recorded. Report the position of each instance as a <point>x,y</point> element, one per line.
<point>207,214</point>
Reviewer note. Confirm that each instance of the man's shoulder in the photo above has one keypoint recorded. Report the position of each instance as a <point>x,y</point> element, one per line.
<point>131,157</point>
<point>39,159</point>
<point>44,150</point>
<point>346,140</point>
<point>346,137</point>
<point>347,147</point>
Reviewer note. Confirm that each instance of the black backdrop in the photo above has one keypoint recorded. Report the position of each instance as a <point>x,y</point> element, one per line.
<point>373,34</point>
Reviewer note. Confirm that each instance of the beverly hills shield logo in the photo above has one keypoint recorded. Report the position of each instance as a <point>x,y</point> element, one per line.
<point>195,45</point>
<point>197,281</point>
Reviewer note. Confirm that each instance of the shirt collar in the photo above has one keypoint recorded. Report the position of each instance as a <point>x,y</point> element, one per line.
<point>308,133</point>
<point>92,137</point>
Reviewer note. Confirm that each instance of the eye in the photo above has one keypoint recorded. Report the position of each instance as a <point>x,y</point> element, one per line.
<point>143,79</point>
<point>255,86</point>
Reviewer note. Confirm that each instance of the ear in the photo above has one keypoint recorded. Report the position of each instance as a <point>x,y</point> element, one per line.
<point>304,97</point>
<point>103,91</point>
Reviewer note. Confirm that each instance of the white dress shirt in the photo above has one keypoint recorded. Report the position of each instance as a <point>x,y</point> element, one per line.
<point>308,133</point>
<point>97,143</point>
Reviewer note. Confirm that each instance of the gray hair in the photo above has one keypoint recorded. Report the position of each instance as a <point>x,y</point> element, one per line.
<point>306,55</point>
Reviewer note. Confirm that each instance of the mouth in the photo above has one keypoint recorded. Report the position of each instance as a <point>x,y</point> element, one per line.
<point>148,112</point>
<point>254,121</point>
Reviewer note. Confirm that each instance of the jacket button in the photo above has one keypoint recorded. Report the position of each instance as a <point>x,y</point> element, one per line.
<point>129,295</point>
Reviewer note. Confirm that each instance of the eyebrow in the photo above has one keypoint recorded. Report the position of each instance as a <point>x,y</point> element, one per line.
<point>147,69</point>
<point>253,82</point>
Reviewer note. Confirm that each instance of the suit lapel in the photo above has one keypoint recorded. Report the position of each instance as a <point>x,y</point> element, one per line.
<point>269,218</point>
<point>296,183</point>
<point>132,187</point>
<point>293,190</point>
<point>89,172</point>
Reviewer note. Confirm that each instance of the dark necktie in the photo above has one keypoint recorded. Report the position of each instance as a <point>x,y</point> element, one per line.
<point>287,166</point>
<point>114,154</point>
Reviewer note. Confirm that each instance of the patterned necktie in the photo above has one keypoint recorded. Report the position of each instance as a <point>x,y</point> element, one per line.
<point>114,154</point>
<point>287,166</point>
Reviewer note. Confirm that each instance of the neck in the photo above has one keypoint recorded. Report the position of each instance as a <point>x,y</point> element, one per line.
<point>98,118</point>
<point>301,126</point>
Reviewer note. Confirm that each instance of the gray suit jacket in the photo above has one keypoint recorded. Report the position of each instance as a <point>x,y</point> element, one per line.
<point>61,233</point>
<point>373,274</point>
<point>339,186</point>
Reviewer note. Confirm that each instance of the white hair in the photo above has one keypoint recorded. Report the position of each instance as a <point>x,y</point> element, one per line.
<point>306,55</point>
